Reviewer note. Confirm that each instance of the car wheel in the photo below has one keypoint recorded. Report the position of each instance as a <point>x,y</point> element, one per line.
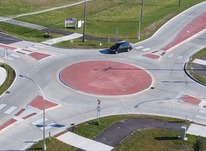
<point>128,49</point>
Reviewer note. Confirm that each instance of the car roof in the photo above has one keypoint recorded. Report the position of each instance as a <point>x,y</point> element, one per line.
<point>121,42</point>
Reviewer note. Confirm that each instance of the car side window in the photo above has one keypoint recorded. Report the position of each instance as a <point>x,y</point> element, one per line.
<point>124,45</point>
<point>121,46</point>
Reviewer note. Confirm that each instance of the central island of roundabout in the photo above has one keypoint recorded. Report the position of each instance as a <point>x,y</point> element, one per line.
<point>105,78</point>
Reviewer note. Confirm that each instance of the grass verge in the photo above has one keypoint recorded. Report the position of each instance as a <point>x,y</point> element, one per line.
<point>93,128</point>
<point>146,139</point>
<point>9,79</point>
<point>52,144</point>
<point>192,72</point>
<point>116,19</point>
<point>159,140</point>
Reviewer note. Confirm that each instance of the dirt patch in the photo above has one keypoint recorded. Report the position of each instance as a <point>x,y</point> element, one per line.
<point>151,29</point>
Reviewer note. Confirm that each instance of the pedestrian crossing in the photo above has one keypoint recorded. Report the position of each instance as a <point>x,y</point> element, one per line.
<point>11,53</point>
<point>10,110</point>
<point>6,109</point>
<point>38,123</point>
<point>156,54</point>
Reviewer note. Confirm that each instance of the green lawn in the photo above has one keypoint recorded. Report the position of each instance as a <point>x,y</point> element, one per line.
<point>104,18</point>
<point>9,79</point>
<point>152,139</point>
<point>196,76</point>
<point>52,144</point>
<point>158,140</point>
<point>15,7</point>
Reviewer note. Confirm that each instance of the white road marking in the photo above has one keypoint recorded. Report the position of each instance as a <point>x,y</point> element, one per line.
<point>200,117</point>
<point>10,110</point>
<point>14,55</point>
<point>179,57</point>
<point>146,49</point>
<point>32,48</point>
<point>38,46</point>
<point>170,55</point>
<point>202,111</point>
<point>2,106</point>
<point>139,47</point>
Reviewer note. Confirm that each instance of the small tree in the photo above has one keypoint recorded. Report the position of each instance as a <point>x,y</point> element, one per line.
<point>198,145</point>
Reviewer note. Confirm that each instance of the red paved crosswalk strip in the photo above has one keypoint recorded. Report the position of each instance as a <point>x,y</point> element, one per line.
<point>152,56</point>
<point>38,103</point>
<point>38,55</point>
<point>11,121</point>
<point>8,47</point>
<point>190,99</point>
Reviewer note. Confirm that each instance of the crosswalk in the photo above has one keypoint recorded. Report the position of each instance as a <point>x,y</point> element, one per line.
<point>11,53</point>
<point>200,117</point>
<point>6,109</point>
<point>156,54</point>
<point>38,123</point>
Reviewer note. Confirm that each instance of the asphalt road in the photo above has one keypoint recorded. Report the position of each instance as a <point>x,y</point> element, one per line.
<point>7,39</point>
<point>117,132</point>
<point>170,83</point>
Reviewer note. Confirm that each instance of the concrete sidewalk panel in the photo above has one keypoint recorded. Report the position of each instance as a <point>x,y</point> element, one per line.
<point>83,143</point>
<point>61,39</point>
<point>197,130</point>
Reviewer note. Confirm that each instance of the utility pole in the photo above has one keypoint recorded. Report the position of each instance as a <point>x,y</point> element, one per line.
<point>179,2</point>
<point>43,105</point>
<point>140,19</point>
<point>84,27</point>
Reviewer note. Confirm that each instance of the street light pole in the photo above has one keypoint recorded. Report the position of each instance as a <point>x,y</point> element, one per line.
<point>84,27</point>
<point>140,19</point>
<point>40,90</point>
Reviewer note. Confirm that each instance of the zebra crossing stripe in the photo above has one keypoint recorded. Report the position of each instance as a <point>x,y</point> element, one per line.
<point>2,106</point>
<point>10,110</point>
<point>200,117</point>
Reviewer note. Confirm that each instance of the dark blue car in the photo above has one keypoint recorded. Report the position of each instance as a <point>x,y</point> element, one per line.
<point>122,46</point>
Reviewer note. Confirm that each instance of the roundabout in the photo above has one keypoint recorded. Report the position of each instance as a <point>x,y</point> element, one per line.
<point>105,78</point>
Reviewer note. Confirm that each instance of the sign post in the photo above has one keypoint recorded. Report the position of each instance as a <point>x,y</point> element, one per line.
<point>6,53</point>
<point>98,108</point>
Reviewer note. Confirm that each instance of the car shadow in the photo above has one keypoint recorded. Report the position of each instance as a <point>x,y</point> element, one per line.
<point>104,51</point>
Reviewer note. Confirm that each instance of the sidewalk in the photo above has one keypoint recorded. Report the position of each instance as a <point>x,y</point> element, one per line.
<point>61,39</point>
<point>113,135</point>
<point>197,130</point>
<point>83,143</point>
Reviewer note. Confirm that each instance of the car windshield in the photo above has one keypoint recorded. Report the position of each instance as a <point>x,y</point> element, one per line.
<point>115,46</point>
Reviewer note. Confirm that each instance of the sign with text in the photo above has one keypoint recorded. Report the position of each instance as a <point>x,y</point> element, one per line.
<point>70,22</point>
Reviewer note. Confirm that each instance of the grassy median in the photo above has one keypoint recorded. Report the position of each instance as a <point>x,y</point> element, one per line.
<point>9,79</point>
<point>192,72</point>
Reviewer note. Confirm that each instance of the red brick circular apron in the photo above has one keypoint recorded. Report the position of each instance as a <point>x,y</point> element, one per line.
<point>105,78</point>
